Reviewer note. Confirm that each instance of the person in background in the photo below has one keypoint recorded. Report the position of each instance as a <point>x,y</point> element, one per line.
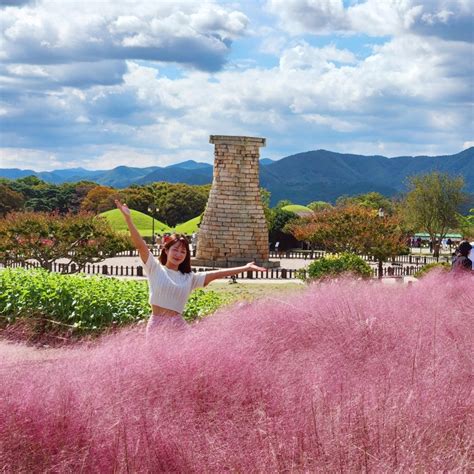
<point>449,242</point>
<point>462,262</point>
<point>194,243</point>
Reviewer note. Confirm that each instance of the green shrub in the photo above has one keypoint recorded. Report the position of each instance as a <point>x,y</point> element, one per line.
<point>430,266</point>
<point>76,301</point>
<point>202,303</point>
<point>84,304</point>
<point>333,265</point>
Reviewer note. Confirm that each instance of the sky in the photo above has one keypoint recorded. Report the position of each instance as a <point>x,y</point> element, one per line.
<point>102,83</point>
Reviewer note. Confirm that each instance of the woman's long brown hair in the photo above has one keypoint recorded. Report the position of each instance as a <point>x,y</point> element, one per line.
<point>185,265</point>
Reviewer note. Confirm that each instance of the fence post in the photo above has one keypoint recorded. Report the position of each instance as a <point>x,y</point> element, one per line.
<point>250,275</point>
<point>283,273</point>
<point>140,271</point>
<point>105,270</point>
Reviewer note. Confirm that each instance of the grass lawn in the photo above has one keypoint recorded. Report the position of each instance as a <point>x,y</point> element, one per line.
<point>251,291</point>
<point>188,227</point>
<point>142,222</point>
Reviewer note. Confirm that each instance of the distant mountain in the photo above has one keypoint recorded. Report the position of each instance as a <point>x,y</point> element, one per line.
<point>311,176</point>
<point>15,173</point>
<point>325,175</point>
<point>124,176</point>
<point>190,165</point>
<point>56,177</point>
<point>177,174</point>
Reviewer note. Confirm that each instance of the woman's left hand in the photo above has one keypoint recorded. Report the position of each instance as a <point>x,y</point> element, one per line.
<point>255,268</point>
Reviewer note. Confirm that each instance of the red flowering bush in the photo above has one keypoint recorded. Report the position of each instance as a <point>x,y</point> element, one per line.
<point>46,237</point>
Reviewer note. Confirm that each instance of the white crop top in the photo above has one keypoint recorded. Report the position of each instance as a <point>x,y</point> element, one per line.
<point>170,288</point>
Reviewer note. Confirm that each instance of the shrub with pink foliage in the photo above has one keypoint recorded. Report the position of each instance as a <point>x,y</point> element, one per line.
<point>348,376</point>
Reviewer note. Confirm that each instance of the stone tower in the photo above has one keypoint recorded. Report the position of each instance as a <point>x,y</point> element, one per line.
<point>233,230</point>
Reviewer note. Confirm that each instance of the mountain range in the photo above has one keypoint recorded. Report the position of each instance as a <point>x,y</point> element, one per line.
<point>319,175</point>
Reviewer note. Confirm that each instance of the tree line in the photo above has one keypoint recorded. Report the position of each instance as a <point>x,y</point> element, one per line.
<point>375,225</point>
<point>45,222</point>
<point>174,202</point>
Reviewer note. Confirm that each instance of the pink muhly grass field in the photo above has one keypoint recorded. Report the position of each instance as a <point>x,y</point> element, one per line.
<point>348,376</point>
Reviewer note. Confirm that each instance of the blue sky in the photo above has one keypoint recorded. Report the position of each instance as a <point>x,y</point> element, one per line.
<point>102,83</point>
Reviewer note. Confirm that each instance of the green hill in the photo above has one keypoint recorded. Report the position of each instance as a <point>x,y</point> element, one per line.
<point>142,222</point>
<point>297,208</point>
<point>188,227</point>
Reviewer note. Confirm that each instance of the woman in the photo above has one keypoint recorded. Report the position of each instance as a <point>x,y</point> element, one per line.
<point>171,280</point>
<point>462,260</point>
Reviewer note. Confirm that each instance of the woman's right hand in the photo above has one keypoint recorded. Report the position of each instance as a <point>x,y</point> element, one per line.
<point>123,208</point>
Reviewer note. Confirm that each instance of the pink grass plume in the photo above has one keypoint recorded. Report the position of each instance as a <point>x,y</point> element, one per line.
<point>347,376</point>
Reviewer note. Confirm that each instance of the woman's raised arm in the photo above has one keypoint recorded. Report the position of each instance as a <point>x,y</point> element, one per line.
<point>216,274</point>
<point>137,240</point>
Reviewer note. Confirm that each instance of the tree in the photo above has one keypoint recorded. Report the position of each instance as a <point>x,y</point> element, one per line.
<point>179,202</point>
<point>432,204</point>
<point>30,235</point>
<point>39,195</point>
<point>317,206</point>
<point>99,199</point>
<point>90,239</point>
<point>10,200</point>
<point>46,237</point>
<point>138,197</point>
<point>354,229</point>
<point>265,199</point>
<point>370,200</point>
<point>466,224</point>
<point>280,219</point>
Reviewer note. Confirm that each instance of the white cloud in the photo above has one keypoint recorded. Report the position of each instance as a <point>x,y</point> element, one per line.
<point>409,93</point>
<point>386,17</point>
<point>449,19</point>
<point>24,158</point>
<point>313,91</point>
<point>390,148</point>
<point>56,76</point>
<point>297,16</point>
<point>332,122</point>
<point>303,56</point>
<point>114,156</point>
<point>27,70</point>
<point>273,44</point>
<point>82,119</point>
<point>182,31</point>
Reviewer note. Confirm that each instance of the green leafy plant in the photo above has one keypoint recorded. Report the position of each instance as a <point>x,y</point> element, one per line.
<point>85,304</point>
<point>201,303</point>
<point>77,302</point>
<point>432,266</point>
<point>333,265</point>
